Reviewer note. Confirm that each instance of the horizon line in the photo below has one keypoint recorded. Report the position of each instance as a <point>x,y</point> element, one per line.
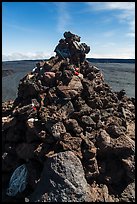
<point>86,58</point>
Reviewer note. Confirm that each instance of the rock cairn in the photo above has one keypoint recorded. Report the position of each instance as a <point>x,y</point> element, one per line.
<point>70,129</point>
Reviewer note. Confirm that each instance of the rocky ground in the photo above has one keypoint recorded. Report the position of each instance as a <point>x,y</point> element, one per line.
<point>7,72</point>
<point>75,136</point>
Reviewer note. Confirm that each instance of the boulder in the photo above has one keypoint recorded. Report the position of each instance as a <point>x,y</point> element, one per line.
<point>62,180</point>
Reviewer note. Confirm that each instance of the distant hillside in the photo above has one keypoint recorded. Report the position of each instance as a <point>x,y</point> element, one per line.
<point>97,60</point>
<point>105,60</point>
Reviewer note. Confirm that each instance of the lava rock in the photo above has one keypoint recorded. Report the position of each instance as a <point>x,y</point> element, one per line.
<point>62,180</point>
<point>67,119</point>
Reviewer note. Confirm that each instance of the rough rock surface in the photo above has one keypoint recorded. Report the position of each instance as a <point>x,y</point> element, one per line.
<point>62,180</point>
<point>65,105</point>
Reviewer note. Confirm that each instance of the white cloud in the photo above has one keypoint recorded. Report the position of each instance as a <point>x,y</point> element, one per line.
<point>112,56</point>
<point>127,11</point>
<point>119,53</point>
<point>63,16</point>
<point>26,56</point>
<point>112,5</point>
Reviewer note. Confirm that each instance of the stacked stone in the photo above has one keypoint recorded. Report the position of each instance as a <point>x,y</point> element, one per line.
<point>59,115</point>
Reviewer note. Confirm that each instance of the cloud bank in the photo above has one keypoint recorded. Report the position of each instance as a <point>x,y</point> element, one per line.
<point>27,56</point>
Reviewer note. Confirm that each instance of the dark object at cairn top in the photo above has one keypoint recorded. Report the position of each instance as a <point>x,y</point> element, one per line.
<point>71,49</point>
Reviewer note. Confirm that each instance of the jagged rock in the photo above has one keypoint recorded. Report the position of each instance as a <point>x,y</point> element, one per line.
<point>73,126</point>
<point>103,140</point>
<point>128,194</point>
<point>8,122</point>
<point>87,121</point>
<point>131,130</point>
<point>57,130</point>
<point>7,107</point>
<point>121,93</point>
<point>24,112</point>
<point>66,110</point>
<point>62,180</point>
<point>123,145</point>
<point>95,103</point>
<point>48,78</point>
<point>34,130</point>
<point>115,131</point>
<point>71,143</point>
<point>101,193</point>
<point>129,165</point>
<point>31,125</point>
<point>92,169</point>
<point>71,90</point>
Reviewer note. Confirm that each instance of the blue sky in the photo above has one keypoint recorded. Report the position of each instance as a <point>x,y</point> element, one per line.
<point>31,30</point>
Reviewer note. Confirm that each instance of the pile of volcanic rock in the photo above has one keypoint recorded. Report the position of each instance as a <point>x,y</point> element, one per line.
<point>74,134</point>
